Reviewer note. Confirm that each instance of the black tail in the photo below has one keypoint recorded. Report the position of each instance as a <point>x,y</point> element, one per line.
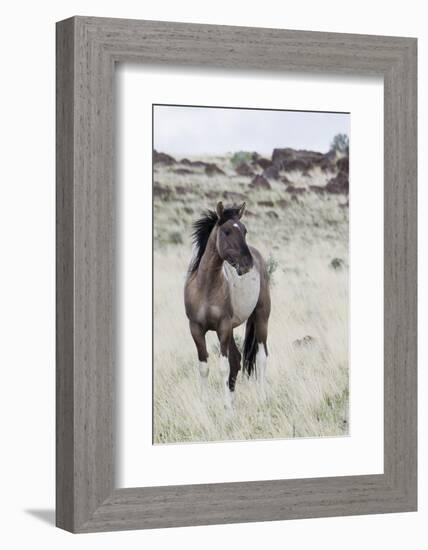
<point>250,347</point>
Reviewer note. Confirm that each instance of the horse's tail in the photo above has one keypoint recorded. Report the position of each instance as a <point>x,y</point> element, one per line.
<point>250,346</point>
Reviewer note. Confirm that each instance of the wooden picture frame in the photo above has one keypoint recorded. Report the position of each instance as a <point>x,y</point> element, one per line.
<point>87,50</point>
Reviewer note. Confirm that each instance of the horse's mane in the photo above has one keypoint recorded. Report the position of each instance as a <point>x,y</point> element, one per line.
<point>202,230</point>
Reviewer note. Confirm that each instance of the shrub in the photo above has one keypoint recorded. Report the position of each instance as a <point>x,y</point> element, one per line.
<point>175,238</point>
<point>239,157</point>
<point>239,342</point>
<point>271,266</point>
<point>340,143</point>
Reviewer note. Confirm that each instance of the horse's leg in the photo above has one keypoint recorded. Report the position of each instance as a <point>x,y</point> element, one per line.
<point>224,333</point>
<point>198,334</point>
<point>261,328</point>
<point>234,363</point>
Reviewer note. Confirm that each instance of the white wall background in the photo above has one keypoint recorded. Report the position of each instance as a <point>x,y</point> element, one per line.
<point>27,273</point>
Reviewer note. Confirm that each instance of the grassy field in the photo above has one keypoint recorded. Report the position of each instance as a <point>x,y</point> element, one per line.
<point>307,379</point>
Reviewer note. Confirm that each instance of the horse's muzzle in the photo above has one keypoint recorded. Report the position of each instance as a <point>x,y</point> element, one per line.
<point>244,267</point>
<point>242,270</point>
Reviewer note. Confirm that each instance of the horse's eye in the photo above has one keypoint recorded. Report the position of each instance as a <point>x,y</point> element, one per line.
<point>227,232</point>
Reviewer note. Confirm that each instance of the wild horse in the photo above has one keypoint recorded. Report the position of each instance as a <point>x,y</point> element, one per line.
<point>227,284</point>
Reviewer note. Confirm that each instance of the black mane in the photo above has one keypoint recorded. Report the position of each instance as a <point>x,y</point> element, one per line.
<point>202,230</point>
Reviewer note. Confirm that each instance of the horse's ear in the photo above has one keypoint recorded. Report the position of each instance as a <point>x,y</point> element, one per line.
<point>241,210</point>
<point>219,210</point>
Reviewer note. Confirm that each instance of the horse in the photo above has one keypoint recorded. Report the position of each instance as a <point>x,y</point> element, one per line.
<point>227,284</point>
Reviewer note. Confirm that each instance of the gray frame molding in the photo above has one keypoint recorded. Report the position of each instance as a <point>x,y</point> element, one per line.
<point>87,50</point>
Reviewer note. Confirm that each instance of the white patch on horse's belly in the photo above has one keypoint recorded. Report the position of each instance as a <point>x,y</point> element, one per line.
<point>244,292</point>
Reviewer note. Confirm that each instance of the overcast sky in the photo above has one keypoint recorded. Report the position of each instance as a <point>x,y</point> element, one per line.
<point>202,130</point>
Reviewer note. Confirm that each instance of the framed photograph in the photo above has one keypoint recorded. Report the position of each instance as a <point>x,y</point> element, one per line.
<point>236,274</point>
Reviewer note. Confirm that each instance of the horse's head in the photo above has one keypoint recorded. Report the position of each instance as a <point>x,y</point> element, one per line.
<point>231,238</point>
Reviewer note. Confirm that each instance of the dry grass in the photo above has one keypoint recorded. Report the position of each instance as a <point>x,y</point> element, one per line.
<point>307,385</point>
